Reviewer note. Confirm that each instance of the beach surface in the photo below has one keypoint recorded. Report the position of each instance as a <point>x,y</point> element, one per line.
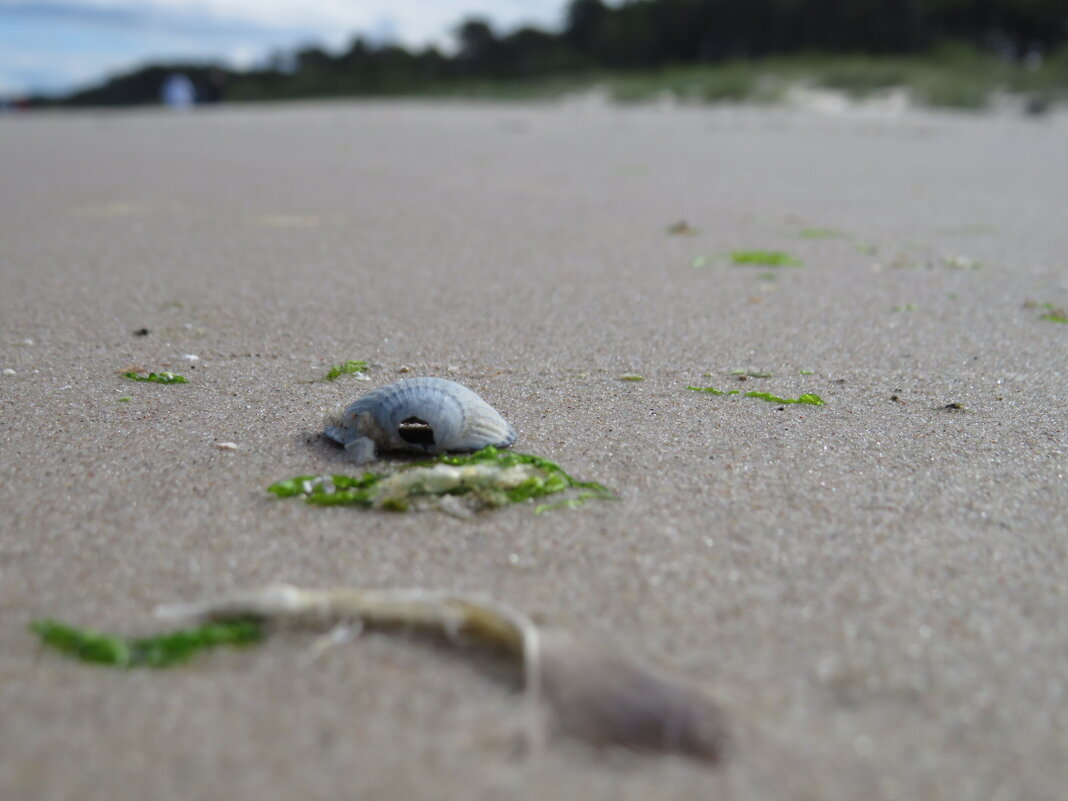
<point>873,589</point>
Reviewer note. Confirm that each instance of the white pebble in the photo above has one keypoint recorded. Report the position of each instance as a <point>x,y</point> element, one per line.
<point>8,371</point>
<point>227,446</point>
<point>191,357</point>
<point>452,505</point>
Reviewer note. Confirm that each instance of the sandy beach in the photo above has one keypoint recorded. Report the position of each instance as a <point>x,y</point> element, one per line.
<point>873,589</point>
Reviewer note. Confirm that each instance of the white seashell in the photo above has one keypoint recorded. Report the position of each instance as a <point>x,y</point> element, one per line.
<point>430,415</point>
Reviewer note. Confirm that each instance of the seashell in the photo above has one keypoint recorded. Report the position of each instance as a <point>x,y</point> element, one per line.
<point>429,415</point>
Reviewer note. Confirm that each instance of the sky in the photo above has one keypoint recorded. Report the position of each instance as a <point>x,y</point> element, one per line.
<point>54,46</point>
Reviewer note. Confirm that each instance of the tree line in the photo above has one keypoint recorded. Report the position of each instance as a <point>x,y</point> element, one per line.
<point>632,35</point>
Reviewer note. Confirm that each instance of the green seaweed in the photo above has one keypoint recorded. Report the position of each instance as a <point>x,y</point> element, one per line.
<point>125,399</point>
<point>1053,314</point>
<point>487,485</point>
<point>631,377</point>
<point>714,391</point>
<point>820,233</point>
<point>162,651</point>
<point>808,398</point>
<point>751,373</point>
<point>162,377</point>
<point>765,258</point>
<point>961,263</point>
<point>346,368</point>
<point>808,372</point>
<point>341,490</point>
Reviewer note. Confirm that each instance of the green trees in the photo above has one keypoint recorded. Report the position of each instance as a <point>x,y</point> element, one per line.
<point>632,35</point>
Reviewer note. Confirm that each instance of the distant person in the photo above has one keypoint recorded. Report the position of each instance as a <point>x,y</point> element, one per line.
<point>178,91</point>
<point>215,89</point>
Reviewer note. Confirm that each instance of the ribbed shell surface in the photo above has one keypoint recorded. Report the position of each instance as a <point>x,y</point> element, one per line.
<point>460,419</point>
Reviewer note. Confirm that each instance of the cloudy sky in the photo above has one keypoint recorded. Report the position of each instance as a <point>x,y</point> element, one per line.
<point>56,45</point>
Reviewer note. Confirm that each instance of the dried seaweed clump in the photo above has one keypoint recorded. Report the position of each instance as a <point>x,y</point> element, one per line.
<point>459,485</point>
<point>601,693</point>
<point>597,692</point>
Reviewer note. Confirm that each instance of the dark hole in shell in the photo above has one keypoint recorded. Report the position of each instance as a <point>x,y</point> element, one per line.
<point>416,431</point>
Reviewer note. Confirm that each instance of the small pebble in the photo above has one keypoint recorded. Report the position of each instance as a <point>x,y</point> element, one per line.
<point>452,505</point>
<point>191,357</point>
<point>404,369</point>
<point>8,371</point>
<point>227,446</point>
<point>141,332</point>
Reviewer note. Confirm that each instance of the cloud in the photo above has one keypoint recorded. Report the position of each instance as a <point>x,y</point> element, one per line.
<point>417,22</point>
<point>56,44</point>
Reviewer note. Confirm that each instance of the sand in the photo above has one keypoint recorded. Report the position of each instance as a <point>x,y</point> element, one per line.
<point>873,589</point>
